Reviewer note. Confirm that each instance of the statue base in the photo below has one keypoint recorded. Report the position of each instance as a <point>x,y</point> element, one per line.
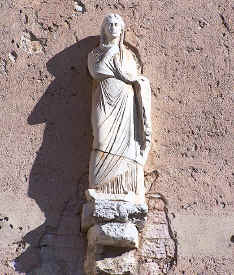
<point>112,223</point>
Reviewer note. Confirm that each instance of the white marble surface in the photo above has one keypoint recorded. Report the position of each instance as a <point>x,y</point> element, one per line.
<point>121,123</point>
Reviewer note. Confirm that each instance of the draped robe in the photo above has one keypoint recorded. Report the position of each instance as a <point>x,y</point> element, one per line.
<point>120,121</point>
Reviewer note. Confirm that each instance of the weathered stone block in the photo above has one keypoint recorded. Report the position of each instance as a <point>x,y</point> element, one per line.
<point>109,211</point>
<point>156,231</point>
<point>125,264</point>
<point>156,203</point>
<point>150,269</point>
<point>158,249</point>
<point>114,234</point>
<point>109,260</point>
<point>156,217</point>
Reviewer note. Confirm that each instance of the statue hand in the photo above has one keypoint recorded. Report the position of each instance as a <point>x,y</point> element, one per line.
<point>122,74</point>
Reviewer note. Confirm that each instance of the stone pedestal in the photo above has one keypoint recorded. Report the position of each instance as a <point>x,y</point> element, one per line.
<point>125,237</point>
<point>112,223</point>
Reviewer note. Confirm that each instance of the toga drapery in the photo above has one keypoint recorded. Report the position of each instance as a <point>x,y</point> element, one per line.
<point>120,121</point>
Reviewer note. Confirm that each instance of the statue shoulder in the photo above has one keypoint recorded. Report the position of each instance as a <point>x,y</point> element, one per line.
<point>97,53</point>
<point>94,57</point>
<point>92,60</point>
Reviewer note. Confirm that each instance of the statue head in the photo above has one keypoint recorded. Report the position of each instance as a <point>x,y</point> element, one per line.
<point>112,28</point>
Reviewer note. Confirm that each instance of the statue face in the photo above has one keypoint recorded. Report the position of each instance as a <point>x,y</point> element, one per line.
<point>113,28</point>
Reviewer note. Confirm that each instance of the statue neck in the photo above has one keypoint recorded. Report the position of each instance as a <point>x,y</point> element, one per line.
<point>112,42</point>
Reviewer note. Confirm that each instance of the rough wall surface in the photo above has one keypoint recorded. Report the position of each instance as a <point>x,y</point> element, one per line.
<point>187,51</point>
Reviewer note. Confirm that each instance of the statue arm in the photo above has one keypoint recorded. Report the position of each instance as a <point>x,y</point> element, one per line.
<point>125,76</point>
<point>122,74</point>
<point>96,71</point>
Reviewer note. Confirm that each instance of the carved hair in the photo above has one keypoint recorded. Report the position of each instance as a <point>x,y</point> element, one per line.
<point>103,39</point>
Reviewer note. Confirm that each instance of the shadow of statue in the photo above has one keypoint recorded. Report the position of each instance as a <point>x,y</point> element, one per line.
<point>59,174</point>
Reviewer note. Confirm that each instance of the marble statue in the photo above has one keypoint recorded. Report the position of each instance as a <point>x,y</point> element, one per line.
<point>116,210</point>
<point>121,104</point>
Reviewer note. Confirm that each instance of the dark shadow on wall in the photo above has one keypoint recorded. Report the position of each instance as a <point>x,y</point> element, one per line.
<point>59,174</point>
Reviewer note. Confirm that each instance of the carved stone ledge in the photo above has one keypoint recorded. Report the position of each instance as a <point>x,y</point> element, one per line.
<point>93,195</point>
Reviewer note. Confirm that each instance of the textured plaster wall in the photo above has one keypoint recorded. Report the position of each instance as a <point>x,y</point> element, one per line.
<point>187,52</point>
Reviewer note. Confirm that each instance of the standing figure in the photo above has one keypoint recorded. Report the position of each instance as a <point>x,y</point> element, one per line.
<point>121,103</point>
